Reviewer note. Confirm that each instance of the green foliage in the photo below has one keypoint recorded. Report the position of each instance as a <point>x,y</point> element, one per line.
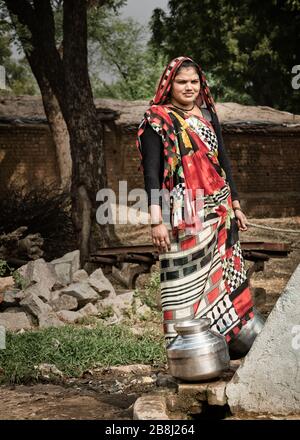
<point>118,47</point>
<point>222,92</point>
<point>19,280</point>
<point>73,350</point>
<point>152,289</point>
<point>3,268</point>
<point>249,48</point>
<point>19,79</point>
<point>107,312</point>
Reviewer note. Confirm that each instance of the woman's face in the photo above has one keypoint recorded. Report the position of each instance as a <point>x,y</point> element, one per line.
<point>185,87</point>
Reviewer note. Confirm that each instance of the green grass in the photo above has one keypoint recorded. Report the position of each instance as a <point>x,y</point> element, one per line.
<point>76,349</point>
<point>152,288</point>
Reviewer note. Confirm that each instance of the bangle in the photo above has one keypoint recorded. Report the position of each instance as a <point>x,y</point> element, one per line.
<point>156,224</point>
<point>237,209</point>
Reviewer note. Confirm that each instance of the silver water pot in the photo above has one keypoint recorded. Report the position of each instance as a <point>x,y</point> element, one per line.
<point>242,342</point>
<point>197,353</point>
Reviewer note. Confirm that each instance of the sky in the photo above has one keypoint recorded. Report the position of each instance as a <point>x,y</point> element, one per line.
<point>141,10</point>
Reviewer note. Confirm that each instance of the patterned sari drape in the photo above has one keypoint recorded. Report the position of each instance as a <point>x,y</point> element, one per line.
<point>204,273</point>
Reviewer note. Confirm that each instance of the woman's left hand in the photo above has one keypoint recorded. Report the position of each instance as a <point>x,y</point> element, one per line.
<point>241,220</point>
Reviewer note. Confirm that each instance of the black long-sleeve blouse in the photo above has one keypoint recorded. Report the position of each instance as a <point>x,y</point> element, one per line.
<point>153,160</point>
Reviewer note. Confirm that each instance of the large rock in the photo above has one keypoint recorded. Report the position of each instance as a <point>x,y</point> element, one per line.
<point>89,310</point>
<point>63,302</point>
<point>269,379</point>
<point>40,290</point>
<point>39,272</point>
<point>49,319</point>
<point>83,292</point>
<point>15,321</point>
<point>73,317</point>
<point>6,283</point>
<point>31,318</point>
<point>117,304</point>
<point>79,275</point>
<point>69,316</point>
<point>66,266</point>
<point>34,305</point>
<point>101,284</point>
<point>40,277</point>
<point>9,298</point>
<point>63,272</point>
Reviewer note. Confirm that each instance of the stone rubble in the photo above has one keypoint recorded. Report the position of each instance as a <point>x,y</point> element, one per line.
<point>57,293</point>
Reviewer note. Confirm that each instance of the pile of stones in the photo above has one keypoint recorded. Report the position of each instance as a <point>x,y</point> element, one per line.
<point>57,293</point>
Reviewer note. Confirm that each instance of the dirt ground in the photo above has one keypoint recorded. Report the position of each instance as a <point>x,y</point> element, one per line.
<point>104,394</point>
<point>110,394</point>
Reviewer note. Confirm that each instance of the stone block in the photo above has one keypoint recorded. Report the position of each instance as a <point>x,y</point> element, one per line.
<point>150,407</point>
<point>15,321</point>
<point>216,393</point>
<point>39,272</point>
<point>34,305</point>
<point>49,319</point>
<point>79,275</point>
<point>63,302</point>
<point>6,283</point>
<point>101,284</point>
<point>82,291</point>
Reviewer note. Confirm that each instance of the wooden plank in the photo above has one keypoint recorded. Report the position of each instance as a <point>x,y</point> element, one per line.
<point>148,250</point>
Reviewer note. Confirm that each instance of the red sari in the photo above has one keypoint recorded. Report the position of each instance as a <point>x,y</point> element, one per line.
<point>204,272</point>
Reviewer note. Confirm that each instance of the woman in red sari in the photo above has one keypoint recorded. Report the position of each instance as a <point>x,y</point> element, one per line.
<point>201,265</point>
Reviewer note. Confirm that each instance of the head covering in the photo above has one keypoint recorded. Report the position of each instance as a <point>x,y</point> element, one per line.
<point>171,126</point>
<point>165,84</point>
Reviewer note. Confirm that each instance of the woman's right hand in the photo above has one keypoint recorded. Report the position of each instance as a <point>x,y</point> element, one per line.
<point>160,238</point>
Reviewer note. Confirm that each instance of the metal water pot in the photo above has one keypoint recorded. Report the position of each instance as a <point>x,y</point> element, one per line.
<point>242,342</point>
<point>197,353</point>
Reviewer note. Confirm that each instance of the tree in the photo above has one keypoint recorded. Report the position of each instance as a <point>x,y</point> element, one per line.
<point>62,75</point>
<point>251,47</point>
<point>19,79</point>
<point>119,47</point>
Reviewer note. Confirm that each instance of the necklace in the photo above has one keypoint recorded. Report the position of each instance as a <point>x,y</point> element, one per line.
<point>184,110</point>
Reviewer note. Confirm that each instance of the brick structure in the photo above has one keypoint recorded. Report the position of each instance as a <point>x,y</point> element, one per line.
<point>263,145</point>
<point>266,167</point>
<point>27,157</point>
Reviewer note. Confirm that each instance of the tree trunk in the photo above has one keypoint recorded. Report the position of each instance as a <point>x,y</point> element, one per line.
<point>56,122</point>
<point>69,83</point>
<point>86,137</point>
<point>60,136</point>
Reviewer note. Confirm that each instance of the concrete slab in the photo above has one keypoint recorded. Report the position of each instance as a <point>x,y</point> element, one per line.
<point>268,381</point>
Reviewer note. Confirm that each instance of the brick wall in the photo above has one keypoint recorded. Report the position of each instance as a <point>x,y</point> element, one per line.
<point>266,165</point>
<point>27,157</point>
<point>266,168</point>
